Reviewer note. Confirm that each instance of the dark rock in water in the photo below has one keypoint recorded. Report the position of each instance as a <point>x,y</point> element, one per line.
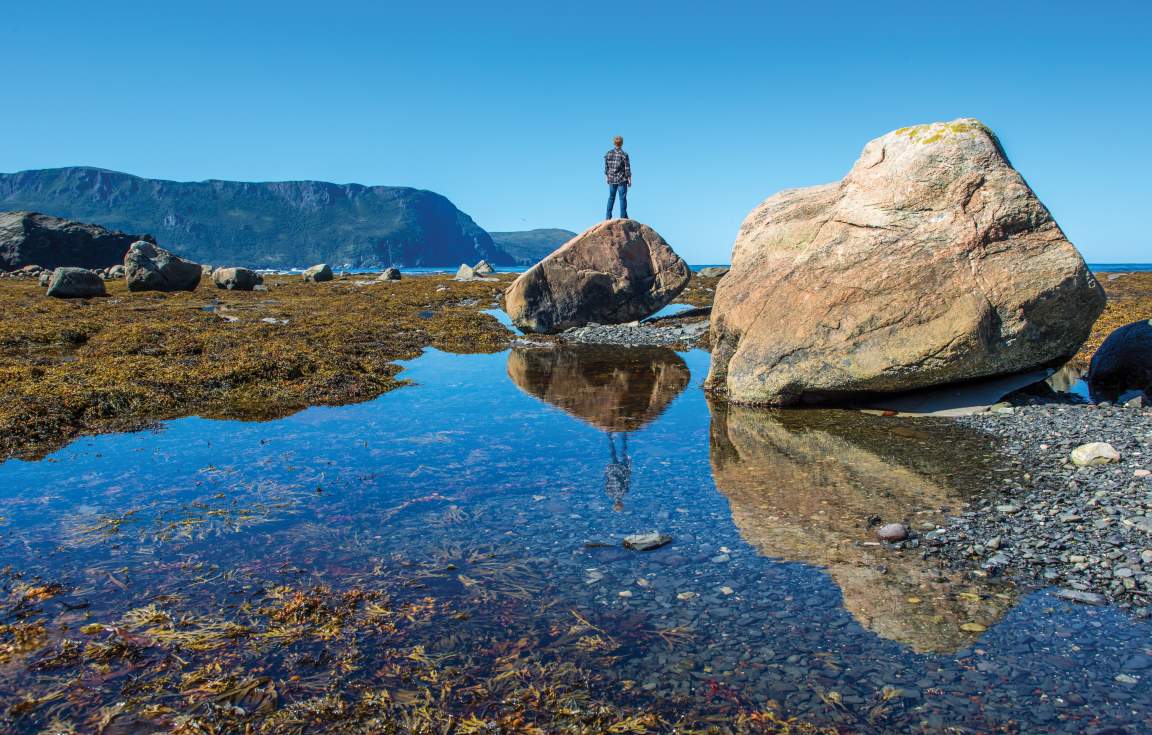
<point>151,268</point>
<point>646,541</point>
<point>932,262</point>
<point>236,279</point>
<point>279,224</point>
<point>75,283</point>
<point>892,532</point>
<point>615,272</point>
<point>1123,362</point>
<point>390,274</point>
<point>528,247</point>
<point>318,273</point>
<point>28,237</point>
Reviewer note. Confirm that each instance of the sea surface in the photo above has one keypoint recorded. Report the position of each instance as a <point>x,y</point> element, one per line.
<point>502,486</point>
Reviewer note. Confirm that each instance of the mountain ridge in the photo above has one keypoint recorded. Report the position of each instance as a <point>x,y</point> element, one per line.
<point>268,224</point>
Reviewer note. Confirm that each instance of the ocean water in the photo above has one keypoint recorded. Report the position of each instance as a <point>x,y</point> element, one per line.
<point>490,498</point>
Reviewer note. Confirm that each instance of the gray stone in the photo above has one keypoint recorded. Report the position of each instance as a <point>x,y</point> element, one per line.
<point>236,279</point>
<point>318,273</point>
<point>646,541</point>
<point>75,283</point>
<point>148,267</point>
<point>1088,598</point>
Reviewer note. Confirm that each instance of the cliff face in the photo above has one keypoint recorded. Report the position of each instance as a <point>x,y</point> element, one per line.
<point>263,225</point>
<point>527,247</point>
<point>28,238</point>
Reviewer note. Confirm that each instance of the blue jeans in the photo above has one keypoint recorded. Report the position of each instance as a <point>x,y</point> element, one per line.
<point>612,189</point>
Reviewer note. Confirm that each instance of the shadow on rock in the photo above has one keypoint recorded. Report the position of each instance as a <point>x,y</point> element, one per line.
<point>803,486</point>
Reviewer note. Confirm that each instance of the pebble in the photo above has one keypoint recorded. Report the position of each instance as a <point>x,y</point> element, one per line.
<point>1093,454</point>
<point>892,532</point>
<point>685,596</point>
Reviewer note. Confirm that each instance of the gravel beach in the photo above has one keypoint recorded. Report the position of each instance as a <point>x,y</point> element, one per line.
<point>1082,529</point>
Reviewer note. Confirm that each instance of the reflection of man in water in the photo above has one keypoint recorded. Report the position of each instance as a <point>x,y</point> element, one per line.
<point>618,473</point>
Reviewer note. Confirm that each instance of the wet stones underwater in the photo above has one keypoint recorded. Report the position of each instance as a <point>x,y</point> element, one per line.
<point>450,555</point>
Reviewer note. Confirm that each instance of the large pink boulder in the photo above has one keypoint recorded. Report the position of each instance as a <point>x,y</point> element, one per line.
<point>931,262</point>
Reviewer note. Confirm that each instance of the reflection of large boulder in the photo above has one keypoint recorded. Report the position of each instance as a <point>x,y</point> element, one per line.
<point>613,389</point>
<point>931,262</point>
<point>801,485</point>
<point>616,272</point>
<point>1123,362</point>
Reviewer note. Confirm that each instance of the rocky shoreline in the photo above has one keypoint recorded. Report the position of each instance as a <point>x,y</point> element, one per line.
<point>1086,530</point>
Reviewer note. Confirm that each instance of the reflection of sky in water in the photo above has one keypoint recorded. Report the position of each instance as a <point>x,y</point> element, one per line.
<point>374,480</point>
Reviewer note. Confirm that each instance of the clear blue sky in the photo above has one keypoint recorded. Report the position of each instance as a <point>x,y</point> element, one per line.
<point>507,108</point>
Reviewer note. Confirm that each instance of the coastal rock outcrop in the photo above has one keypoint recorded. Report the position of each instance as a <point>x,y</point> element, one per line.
<point>148,267</point>
<point>236,279</point>
<point>483,268</point>
<point>931,262</point>
<point>318,273</point>
<point>615,272</point>
<point>75,283</point>
<point>389,274</point>
<point>715,271</point>
<point>1123,362</point>
<point>51,242</point>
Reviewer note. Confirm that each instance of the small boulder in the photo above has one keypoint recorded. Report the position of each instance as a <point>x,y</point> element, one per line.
<point>1094,453</point>
<point>148,267</point>
<point>892,532</point>
<point>115,272</point>
<point>465,273</point>
<point>45,278</point>
<point>616,272</point>
<point>714,271</point>
<point>390,274</point>
<point>236,279</point>
<point>483,268</point>
<point>1123,362</point>
<point>207,270</point>
<point>75,283</point>
<point>318,273</point>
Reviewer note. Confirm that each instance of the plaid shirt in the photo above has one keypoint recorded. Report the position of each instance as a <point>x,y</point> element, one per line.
<point>617,167</point>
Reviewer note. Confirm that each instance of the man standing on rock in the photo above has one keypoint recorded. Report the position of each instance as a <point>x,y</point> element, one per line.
<point>618,172</point>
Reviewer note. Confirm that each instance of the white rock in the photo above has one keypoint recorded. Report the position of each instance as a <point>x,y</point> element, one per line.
<point>1094,453</point>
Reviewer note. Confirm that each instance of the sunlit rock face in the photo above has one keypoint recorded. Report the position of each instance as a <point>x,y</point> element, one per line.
<point>614,272</point>
<point>615,390</point>
<point>932,262</point>
<point>801,486</point>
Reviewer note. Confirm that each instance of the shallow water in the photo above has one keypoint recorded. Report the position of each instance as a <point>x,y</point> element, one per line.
<point>502,485</point>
